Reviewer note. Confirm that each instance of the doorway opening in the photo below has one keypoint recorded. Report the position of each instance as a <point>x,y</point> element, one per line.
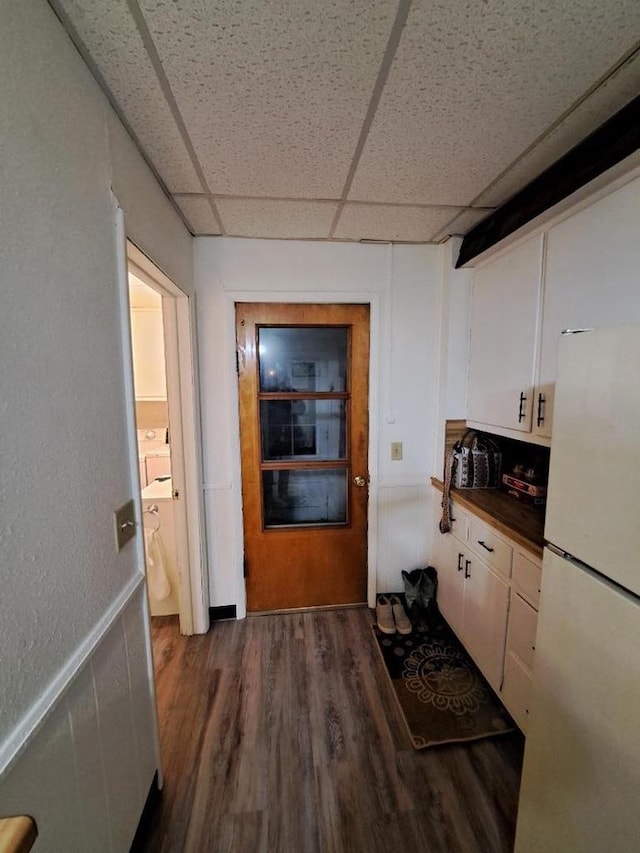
<point>168,441</point>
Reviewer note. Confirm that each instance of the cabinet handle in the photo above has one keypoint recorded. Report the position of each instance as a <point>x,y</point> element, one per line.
<point>541,401</point>
<point>485,546</point>
<point>460,556</point>
<point>467,573</point>
<point>521,412</point>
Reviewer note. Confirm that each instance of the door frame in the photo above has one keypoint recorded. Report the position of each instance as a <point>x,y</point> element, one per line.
<point>183,404</point>
<point>293,298</point>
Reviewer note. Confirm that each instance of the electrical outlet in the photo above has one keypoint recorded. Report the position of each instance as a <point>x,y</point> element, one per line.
<point>396,451</point>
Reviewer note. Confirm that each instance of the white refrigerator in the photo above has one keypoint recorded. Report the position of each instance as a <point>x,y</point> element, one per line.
<point>580,788</point>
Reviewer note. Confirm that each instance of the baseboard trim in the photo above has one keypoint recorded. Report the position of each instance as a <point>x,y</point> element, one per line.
<point>218,614</point>
<point>146,818</point>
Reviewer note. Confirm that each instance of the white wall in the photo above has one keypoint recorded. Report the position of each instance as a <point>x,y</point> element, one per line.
<point>454,345</point>
<point>403,285</point>
<point>64,591</point>
<point>152,223</point>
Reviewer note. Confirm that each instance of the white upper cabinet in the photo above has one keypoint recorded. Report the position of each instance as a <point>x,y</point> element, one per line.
<point>582,273</point>
<point>591,280</point>
<point>147,339</point>
<point>504,333</point>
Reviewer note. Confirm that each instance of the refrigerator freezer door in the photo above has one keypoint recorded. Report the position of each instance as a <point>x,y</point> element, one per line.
<point>592,507</point>
<point>581,774</point>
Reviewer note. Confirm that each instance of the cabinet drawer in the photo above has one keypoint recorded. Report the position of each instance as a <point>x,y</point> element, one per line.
<point>516,691</point>
<point>494,551</point>
<point>523,623</point>
<point>527,577</point>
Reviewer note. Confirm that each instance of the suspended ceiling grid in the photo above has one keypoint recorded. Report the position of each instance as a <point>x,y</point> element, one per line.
<point>353,120</point>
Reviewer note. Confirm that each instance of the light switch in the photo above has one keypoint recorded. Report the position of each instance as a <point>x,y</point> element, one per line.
<point>125,524</point>
<point>396,451</point>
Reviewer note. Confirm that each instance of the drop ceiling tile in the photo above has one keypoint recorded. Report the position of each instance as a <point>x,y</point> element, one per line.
<point>473,84</point>
<point>301,220</point>
<point>110,36</point>
<point>612,96</point>
<point>274,94</point>
<point>198,214</point>
<point>387,222</point>
<point>462,223</point>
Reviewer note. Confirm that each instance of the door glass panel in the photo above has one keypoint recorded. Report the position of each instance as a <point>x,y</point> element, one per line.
<point>304,497</point>
<point>303,358</point>
<point>303,429</point>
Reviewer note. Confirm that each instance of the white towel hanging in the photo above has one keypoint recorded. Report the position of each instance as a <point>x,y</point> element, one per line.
<point>157,577</point>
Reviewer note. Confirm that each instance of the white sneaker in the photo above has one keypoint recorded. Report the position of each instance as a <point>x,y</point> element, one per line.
<point>384,615</point>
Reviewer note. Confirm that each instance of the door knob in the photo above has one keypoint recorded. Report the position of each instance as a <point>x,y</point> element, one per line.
<point>359,481</point>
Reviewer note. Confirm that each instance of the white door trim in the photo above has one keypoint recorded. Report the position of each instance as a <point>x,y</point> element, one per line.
<point>186,458</point>
<point>294,297</point>
<point>134,470</point>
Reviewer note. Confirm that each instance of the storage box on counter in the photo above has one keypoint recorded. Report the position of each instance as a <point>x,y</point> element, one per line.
<point>529,493</point>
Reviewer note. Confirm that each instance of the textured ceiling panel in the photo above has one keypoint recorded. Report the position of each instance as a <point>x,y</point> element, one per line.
<point>382,222</point>
<point>474,83</point>
<point>281,219</point>
<point>111,38</point>
<point>594,111</point>
<point>462,223</point>
<point>274,93</point>
<point>198,214</point>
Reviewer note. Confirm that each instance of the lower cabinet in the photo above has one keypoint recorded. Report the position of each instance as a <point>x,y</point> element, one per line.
<point>475,602</point>
<point>491,604</point>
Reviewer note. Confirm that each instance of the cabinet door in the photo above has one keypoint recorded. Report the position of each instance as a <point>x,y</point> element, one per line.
<point>485,609</point>
<point>451,581</point>
<point>504,320</point>
<point>591,276</point>
<point>523,622</point>
<point>516,691</point>
<point>147,339</point>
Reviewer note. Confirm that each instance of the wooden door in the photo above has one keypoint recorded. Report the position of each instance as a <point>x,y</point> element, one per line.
<point>303,383</point>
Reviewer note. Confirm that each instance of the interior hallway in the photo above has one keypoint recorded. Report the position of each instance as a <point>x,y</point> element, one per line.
<point>281,734</point>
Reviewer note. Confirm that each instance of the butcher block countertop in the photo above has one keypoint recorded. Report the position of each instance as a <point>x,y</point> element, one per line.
<point>17,834</point>
<point>523,524</point>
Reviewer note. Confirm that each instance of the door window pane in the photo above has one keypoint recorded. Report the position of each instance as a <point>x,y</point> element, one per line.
<point>306,358</point>
<point>304,497</point>
<point>303,429</point>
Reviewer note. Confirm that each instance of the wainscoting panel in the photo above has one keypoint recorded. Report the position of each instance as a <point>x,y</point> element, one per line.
<point>404,535</point>
<point>83,715</point>
<point>143,711</point>
<point>117,738</point>
<point>85,773</point>
<point>44,785</point>
<point>221,520</point>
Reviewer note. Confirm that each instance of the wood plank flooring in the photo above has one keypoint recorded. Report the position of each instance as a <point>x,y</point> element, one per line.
<point>282,734</point>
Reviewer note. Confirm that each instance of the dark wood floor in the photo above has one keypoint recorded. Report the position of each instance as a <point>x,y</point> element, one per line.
<point>282,734</point>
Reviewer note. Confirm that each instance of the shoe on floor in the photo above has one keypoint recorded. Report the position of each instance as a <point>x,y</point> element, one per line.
<point>400,617</point>
<point>384,615</point>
